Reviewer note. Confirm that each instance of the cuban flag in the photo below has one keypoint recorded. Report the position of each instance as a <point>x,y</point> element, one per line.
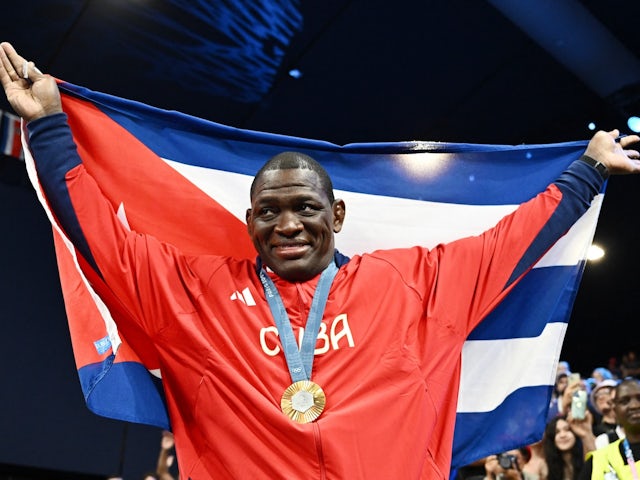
<point>186,181</point>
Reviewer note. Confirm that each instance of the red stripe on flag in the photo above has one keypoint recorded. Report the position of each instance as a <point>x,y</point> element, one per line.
<point>86,324</point>
<point>132,174</point>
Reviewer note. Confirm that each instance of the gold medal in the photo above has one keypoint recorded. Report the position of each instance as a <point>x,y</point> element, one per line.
<point>303,401</point>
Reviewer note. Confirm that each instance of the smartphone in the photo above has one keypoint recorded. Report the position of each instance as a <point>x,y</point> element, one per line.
<point>574,378</point>
<point>579,405</point>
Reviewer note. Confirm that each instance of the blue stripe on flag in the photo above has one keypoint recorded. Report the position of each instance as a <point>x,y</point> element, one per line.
<point>513,424</point>
<point>529,306</point>
<point>108,386</point>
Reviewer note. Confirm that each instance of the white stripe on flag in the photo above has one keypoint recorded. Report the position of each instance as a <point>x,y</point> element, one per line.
<point>485,360</point>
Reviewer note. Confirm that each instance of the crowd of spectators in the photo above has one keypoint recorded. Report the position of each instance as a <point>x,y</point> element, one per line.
<point>567,449</point>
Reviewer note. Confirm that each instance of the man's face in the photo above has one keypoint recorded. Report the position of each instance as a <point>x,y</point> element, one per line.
<point>292,223</point>
<point>627,407</point>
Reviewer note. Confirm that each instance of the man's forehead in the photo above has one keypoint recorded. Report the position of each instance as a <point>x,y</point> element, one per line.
<point>283,174</point>
<point>289,181</point>
<point>628,389</point>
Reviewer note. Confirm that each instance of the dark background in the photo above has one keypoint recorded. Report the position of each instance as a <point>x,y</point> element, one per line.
<point>504,72</point>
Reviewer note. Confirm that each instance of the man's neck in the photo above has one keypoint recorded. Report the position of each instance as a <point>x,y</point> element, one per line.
<point>632,437</point>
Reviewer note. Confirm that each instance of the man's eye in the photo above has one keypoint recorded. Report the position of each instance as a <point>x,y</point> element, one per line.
<point>266,211</point>
<point>307,207</point>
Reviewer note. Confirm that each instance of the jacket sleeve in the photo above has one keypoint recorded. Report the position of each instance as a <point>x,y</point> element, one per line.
<point>485,268</point>
<point>149,279</point>
<point>460,282</point>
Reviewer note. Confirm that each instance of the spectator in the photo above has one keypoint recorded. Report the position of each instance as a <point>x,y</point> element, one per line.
<point>564,405</point>
<point>556,395</point>
<point>507,466</point>
<point>563,367</point>
<point>563,450</point>
<point>605,439</point>
<point>600,374</point>
<point>630,366</point>
<point>614,368</point>
<point>601,400</point>
<point>614,460</point>
<point>165,459</point>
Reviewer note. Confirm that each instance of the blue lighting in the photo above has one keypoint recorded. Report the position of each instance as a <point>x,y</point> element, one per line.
<point>591,126</point>
<point>634,124</point>
<point>295,73</point>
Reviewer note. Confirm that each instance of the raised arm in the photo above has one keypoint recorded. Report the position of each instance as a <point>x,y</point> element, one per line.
<point>120,263</point>
<point>613,152</point>
<point>30,93</point>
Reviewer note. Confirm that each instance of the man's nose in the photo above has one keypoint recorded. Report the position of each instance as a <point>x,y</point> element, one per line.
<point>288,223</point>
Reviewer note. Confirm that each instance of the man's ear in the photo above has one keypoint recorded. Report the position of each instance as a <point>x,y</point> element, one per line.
<point>247,218</point>
<point>339,211</point>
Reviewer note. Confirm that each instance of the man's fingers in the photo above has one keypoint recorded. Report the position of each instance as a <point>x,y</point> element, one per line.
<point>628,140</point>
<point>633,154</point>
<point>12,63</point>
<point>7,71</point>
<point>14,60</point>
<point>30,71</point>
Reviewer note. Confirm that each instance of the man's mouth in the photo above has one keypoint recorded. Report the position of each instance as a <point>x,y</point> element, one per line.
<point>290,250</point>
<point>635,415</point>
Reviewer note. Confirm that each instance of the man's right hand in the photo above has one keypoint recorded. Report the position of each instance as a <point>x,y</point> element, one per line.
<point>33,97</point>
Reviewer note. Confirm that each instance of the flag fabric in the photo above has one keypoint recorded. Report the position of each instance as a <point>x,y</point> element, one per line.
<point>10,144</point>
<point>186,181</point>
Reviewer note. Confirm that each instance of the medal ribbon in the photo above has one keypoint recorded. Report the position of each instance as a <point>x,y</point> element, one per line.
<point>299,361</point>
<point>630,460</point>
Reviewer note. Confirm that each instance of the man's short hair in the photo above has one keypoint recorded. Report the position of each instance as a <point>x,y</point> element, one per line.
<point>625,381</point>
<point>291,160</point>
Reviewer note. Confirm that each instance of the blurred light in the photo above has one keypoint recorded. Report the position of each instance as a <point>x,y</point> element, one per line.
<point>295,73</point>
<point>595,253</point>
<point>634,124</point>
<point>591,126</point>
<point>425,165</point>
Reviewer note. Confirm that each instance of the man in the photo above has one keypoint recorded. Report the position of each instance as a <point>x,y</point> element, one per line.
<point>379,400</point>
<point>618,459</point>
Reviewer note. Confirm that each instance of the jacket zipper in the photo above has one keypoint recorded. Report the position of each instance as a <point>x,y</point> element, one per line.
<point>316,435</point>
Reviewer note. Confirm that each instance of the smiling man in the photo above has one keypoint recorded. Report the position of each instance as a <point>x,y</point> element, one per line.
<point>294,216</point>
<point>620,459</point>
<point>338,367</point>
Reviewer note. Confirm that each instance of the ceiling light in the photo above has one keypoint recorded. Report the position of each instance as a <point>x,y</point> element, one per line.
<point>595,253</point>
<point>634,124</point>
